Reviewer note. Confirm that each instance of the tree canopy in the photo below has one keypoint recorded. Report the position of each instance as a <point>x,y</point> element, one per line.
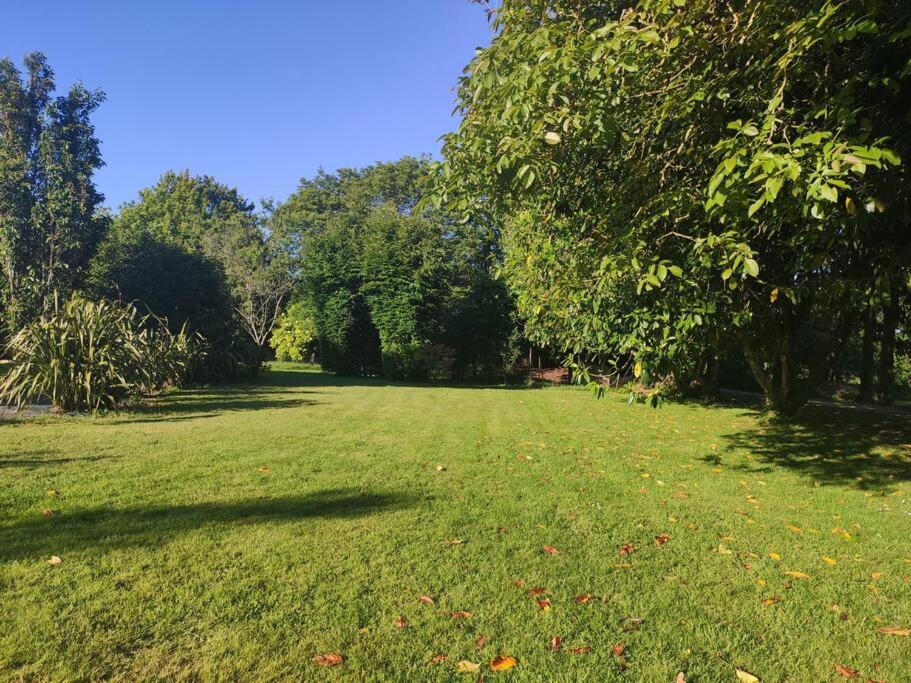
<point>675,177</point>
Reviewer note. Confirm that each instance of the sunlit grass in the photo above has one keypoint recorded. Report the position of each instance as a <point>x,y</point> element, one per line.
<point>238,532</point>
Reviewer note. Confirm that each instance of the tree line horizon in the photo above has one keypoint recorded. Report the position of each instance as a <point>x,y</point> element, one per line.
<point>671,195</point>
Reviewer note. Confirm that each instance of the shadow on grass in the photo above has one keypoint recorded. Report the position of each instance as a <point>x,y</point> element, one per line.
<point>39,459</point>
<point>104,529</point>
<point>865,449</point>
<point>310,378</point>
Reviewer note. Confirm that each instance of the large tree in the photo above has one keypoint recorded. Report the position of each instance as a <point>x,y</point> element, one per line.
<point>673,178</point>
<point>50,224</point>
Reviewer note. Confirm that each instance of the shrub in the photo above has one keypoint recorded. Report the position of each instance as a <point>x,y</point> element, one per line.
<point>294,333</point>
<point>92,355</point>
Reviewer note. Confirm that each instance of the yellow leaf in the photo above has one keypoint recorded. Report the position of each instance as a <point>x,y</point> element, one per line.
<point>502,663</point>
<point>775,556</point>
<point>798,575</point>
<point>746,677</point>
<point>795,529</point>
<point>895,631</point>
<point>637,371</point>
<point>829,560</point>
<point>54,560</point>
<point>465,667</point>
<point>773,297</point>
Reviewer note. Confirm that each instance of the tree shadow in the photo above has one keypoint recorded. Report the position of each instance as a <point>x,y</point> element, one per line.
<point>309,378</point>
<point>105,529</point>
<point>863,449</point>
<point>38,459</point>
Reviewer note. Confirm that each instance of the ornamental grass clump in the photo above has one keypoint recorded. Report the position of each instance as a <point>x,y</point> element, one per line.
<point>89,355</point>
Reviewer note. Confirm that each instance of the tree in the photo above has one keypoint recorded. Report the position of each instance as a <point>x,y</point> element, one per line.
<point>50,224</point>
<point>192,249</point>
<point>672,178</point>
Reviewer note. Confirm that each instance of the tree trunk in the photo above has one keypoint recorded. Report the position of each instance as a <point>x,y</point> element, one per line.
<point>866,364</point>
<point>887,350</point>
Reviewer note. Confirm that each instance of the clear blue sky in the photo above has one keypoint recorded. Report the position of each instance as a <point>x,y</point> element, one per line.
<point>257,93</point>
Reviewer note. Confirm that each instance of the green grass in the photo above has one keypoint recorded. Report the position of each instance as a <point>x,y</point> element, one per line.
<point>182,560</point>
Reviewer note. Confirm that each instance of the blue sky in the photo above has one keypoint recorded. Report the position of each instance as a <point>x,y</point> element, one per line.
<point>257,93</point>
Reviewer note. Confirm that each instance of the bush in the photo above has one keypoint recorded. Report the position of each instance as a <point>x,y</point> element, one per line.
<point>92,355</point>
<point>294,333</point>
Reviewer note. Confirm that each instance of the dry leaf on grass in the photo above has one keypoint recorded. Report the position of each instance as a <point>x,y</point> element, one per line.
<point>544,604</point>
<point>894,631</point>
<point>550,550</point>
<point>846,671</point>
<point>436,659</point>
<point>681,677</point>
<point>264,469</point>
<point>584,650</point>
<point>618,650</point>
<point>54,560</point>
<point>329,660</point>
<point>555,643</point>
<point>47,512</point>
<point>479,642</point>
<point>584,598</point>
<point>538,590</point>
<point>745,676</point>
<point>426,599</point>
<point>401,622</point>
<point>464,666</point>
<point>626,549</point>
<point>502,663</point>
<point>455,541</point>
<point>797,575</point>
<point>460,614</point>
<point>661,539</point>
<point>771,601</point>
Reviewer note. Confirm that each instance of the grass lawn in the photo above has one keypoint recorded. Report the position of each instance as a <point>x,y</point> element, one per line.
<point>238,532</point>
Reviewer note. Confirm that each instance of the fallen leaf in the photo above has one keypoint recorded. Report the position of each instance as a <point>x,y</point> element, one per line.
<point>436,659</point>
<point>555,643</point>
<point>584,650</point>
<point>876,576</point>
<point>264,469</point>
<point>481,639</point>
<point>795,529</point>
<point>460,614</point>
<point>502,663</point>
<point>746,676</point>
<point>895,631</point>
<point>661,539</point>
<point>550,550</point>
<point>681,678</point>
<point>53,492</point>
<point>519,582</point>
<point>775,556</point>
<point>440,468</point>
<point>584,598</point>
<point>771,601</point>
<point>798,575</point>
<point>626,549</point>
<point>54,560</point>
<point>464,666</point>
<point>502,529</point>
<point>426,599</point>
<point>544,604</point>
<point>455,541</point>
<point>618,650</point>
<point>846,671</point>
<point>329,660</point>
<point>829,560</point>
<point>47,512</point>
<point>537,590</point>
<point>401,622</point>
<point>683,495</point>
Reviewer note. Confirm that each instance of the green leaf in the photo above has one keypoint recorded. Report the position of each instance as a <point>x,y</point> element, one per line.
<point>751,267</point>
<point>552,138</point>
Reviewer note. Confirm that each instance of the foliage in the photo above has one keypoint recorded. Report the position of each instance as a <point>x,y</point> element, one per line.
<point>91,355</point>
<point>50,222</point>
<point>388,280</point>
<point>294,333</point>
<point>184,250</point>
<point>676,177</point>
